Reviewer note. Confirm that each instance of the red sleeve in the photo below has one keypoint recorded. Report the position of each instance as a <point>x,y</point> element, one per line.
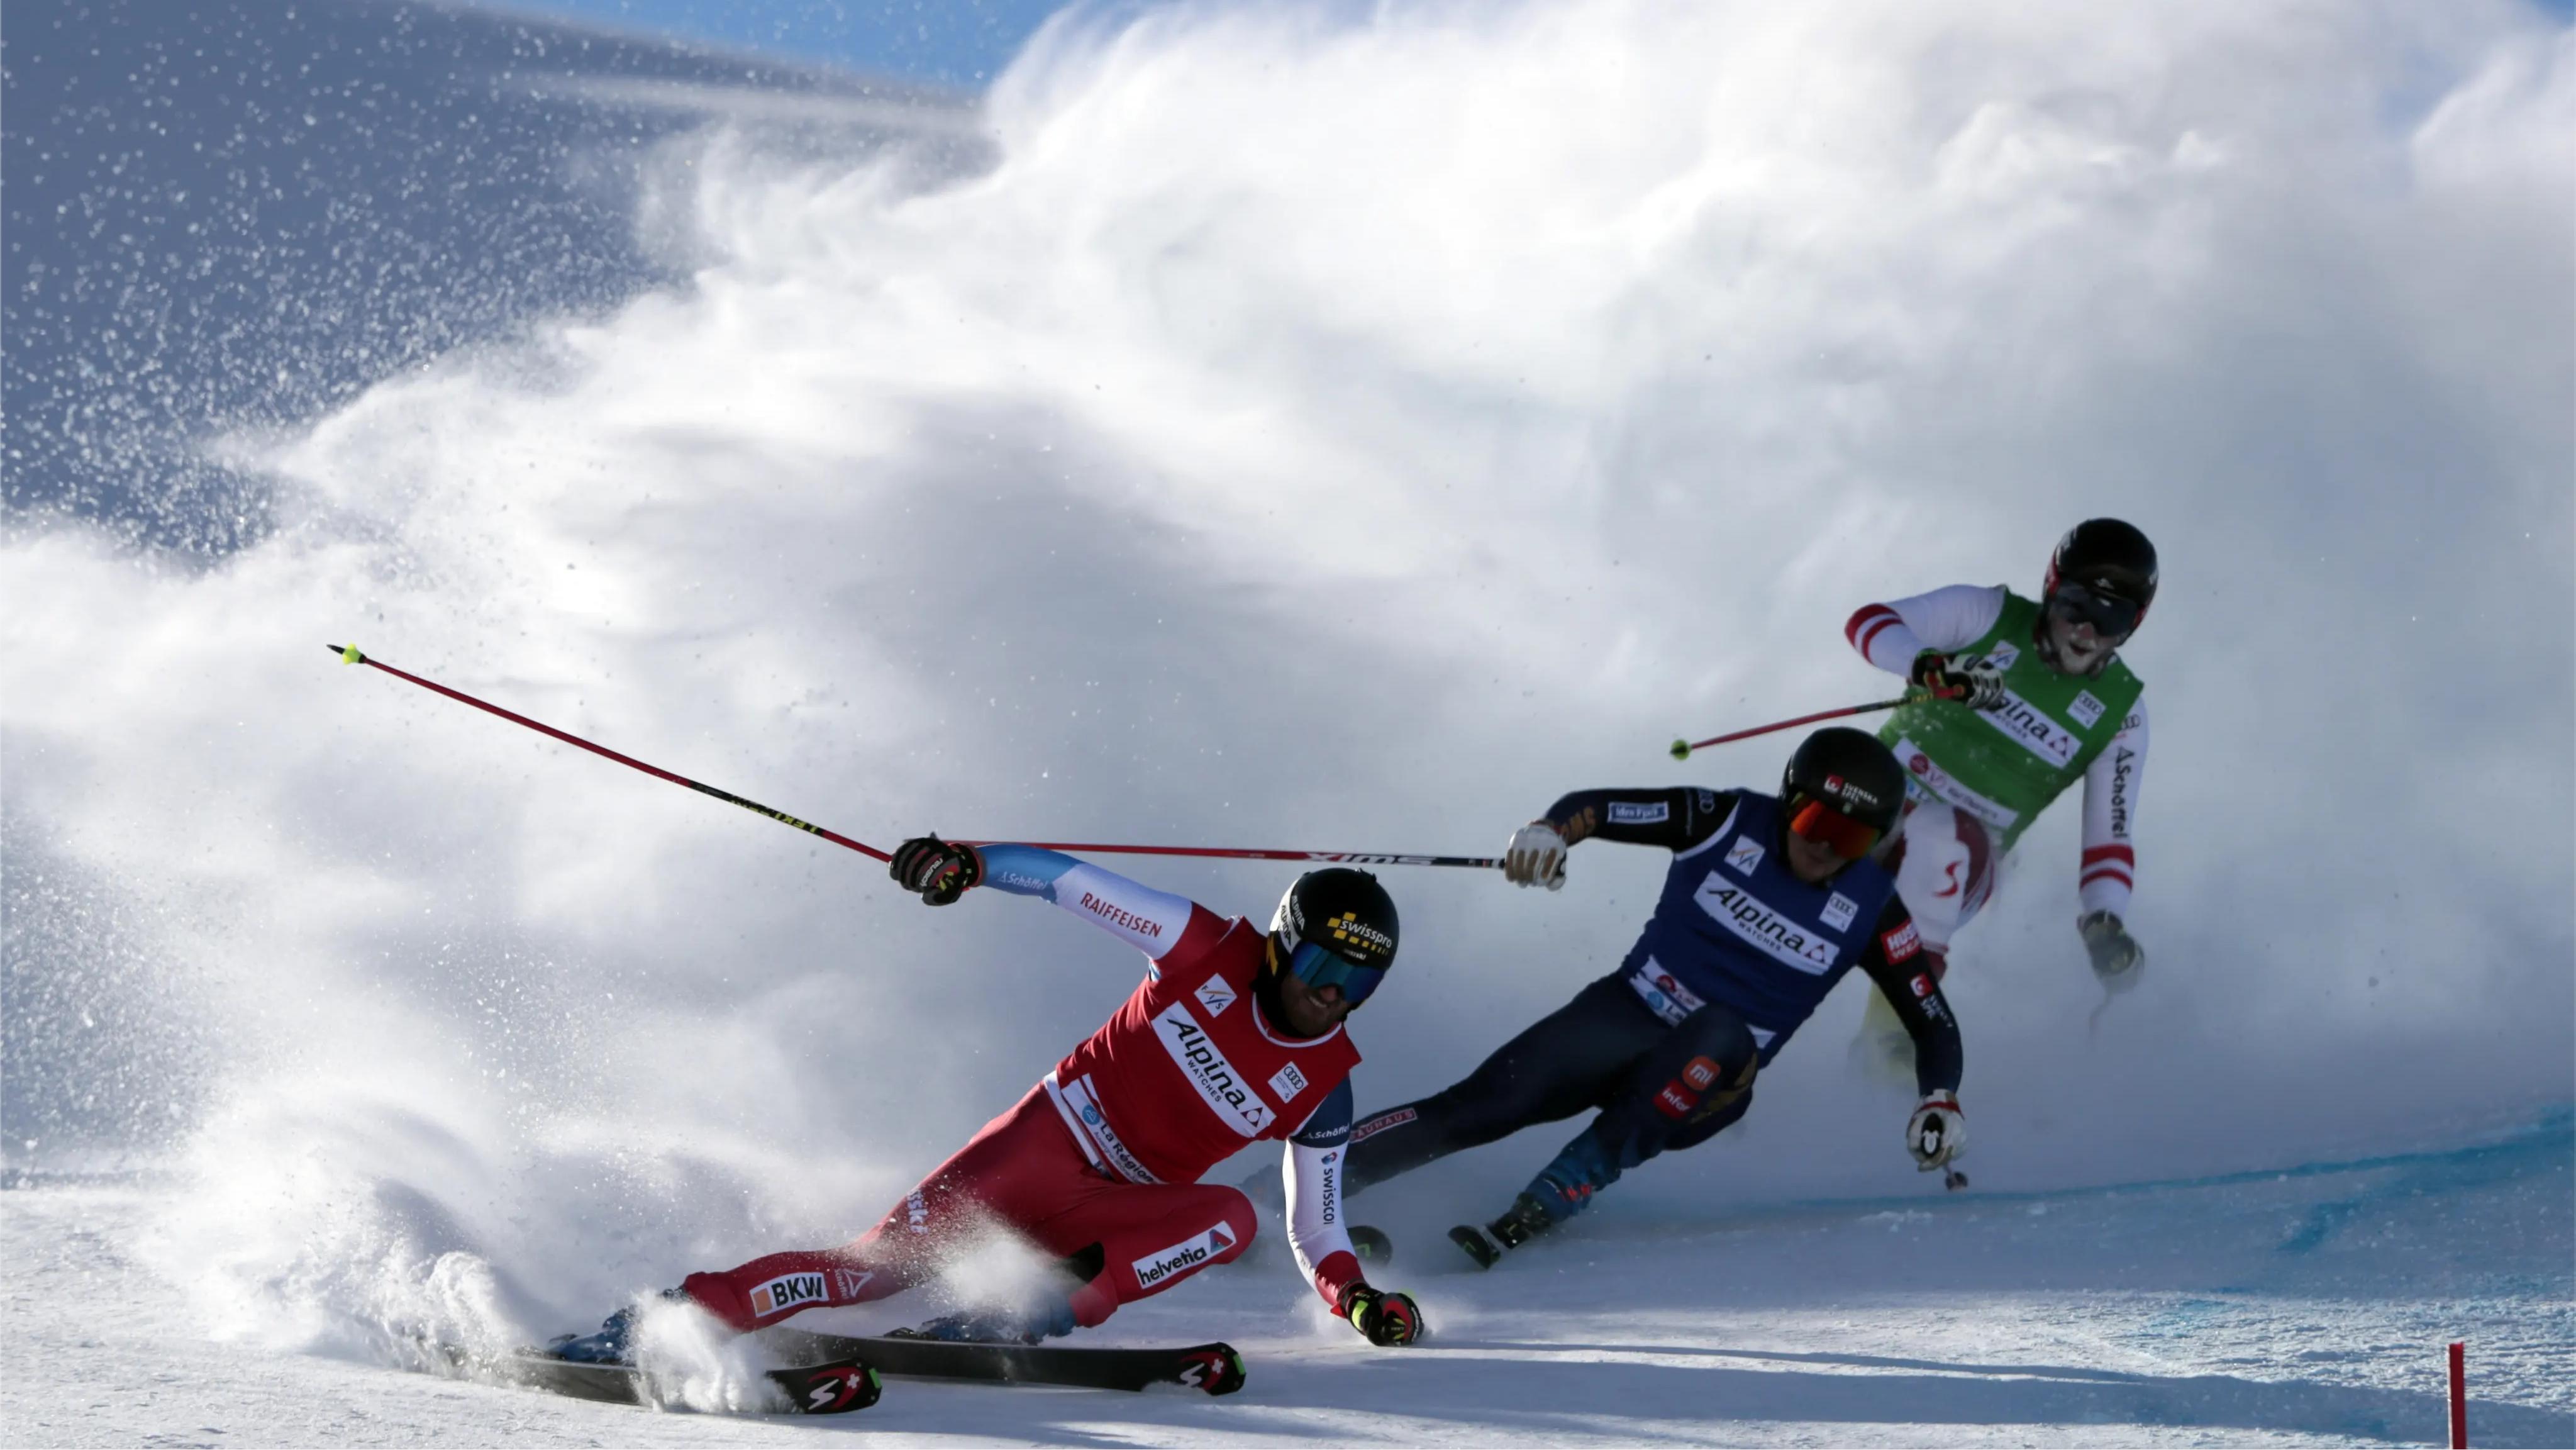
<point>1205,929</point>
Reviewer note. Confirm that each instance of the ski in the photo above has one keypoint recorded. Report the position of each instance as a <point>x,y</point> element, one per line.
<point>831,1387</point>
<point>1213,1368</point>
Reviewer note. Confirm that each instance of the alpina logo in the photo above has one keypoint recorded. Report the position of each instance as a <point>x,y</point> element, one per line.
<point>1215,1078</point>
<point>1751,918</point>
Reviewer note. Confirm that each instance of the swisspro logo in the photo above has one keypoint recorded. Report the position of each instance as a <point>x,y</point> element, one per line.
<point>1349,930</point>
<point>1744,855</point>
<point>1946,788</point>
<point>1287,1082</point>
<point>1639,813</point>
<point>1181,1257</point>
<point>787,1292</point>
<point>1839,911</point>
<point>2031,729</point>
<point>1215,996</point>
<point>2085,711</point>
<point>1236,1104</point>
<point>1763,927</point>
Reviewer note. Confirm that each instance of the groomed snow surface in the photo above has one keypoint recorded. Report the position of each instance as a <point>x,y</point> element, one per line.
<point>2304,1306</point>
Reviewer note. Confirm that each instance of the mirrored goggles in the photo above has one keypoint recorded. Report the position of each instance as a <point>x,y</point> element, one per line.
<point>2111,616</point>
<point>1826,826</point>
<point>1319,966</point>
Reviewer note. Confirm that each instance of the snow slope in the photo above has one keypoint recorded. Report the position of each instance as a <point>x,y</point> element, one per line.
<point>2307,1306</point>
<point>1337,427</point>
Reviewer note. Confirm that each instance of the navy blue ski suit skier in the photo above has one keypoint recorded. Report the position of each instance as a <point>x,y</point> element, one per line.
<point>1739,951</point>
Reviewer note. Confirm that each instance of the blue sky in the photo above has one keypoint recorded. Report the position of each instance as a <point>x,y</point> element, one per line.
<point>958,42</point>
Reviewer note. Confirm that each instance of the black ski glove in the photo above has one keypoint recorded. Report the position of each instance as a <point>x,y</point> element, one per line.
<point>1975,684</point>
<point>2117,957</point>
<point>1387,1319</point>
<point>940,870</point>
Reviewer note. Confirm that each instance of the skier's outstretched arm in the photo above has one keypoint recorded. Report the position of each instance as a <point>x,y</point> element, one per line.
<point>1159,924</point>
<point>1677,818</point>
<point>1312,1169</point>
<point>1895,960</point>
<point>1954,617</point>
<point>1938,1131</point>
<point>2108,870</point>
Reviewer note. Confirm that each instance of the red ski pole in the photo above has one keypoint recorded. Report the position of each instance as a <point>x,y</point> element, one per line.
<point>352,655</point>
<point>2459,1394</point>
<point>1232,853</point>
<point>1683,748</point>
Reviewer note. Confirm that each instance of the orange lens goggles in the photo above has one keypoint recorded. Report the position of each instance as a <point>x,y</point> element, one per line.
<point>1826,826</point>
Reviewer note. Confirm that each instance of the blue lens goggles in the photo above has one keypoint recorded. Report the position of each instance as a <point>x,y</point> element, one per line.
<point>1319,966</point>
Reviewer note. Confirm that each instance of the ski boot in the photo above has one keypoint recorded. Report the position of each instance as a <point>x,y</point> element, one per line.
<point>1527,1219</point>
<point>995,1326</point>
<point>606,1345</point>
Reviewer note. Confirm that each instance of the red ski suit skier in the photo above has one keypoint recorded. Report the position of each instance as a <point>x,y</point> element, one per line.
<point>1099,1163</point>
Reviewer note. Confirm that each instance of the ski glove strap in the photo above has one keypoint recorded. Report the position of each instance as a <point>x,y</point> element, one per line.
<point>1973,683</point>
<point>1535,857</point>
<point>2117,957</point>
<point>1937,1133</point>
<point>1387,1319</point>
<point>940,870</point>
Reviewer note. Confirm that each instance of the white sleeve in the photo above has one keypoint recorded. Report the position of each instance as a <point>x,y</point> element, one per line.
<point>2110,864</point>
<point>1151,921</point>
<point>1316,1232</point>
<point>1952,617</point>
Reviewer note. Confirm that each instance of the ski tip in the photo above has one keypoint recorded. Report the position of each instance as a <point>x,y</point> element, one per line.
<point>1216,1369</point>
<point>1372,1245</point>
<point>830,1389</point>
<point>1471,1239</point>
<point>1681,750</point>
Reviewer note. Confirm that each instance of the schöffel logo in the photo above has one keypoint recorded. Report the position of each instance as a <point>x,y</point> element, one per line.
<point>1225,1090</point>
<point>1744,855</point>
<point>788,1291</point>
<point>1638,813</point>
<point>1215,996</point>
<point>1181,1257</point>
<point>1773,934</point>
<point>1901,943</point>
<point>2030,728</point>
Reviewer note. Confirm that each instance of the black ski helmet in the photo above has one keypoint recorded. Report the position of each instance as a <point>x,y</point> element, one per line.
<point>2106,556</point>
<point>1341,921</point>
<point>1850,771</point>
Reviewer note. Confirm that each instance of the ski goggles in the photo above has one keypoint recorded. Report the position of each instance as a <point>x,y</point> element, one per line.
<point>2111,616</point>
<point>1319,966</point>
<point>1826,826</point>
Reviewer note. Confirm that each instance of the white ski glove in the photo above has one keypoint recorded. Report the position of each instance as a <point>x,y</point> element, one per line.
<point>1536,857</point>
<point>2117,958</point>
<point>1937,1133</point>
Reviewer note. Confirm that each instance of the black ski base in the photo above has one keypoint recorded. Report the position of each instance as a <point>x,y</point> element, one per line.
<point>1212,1368</point>
<point>834,1387</point>
<point>1372,1246</point>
